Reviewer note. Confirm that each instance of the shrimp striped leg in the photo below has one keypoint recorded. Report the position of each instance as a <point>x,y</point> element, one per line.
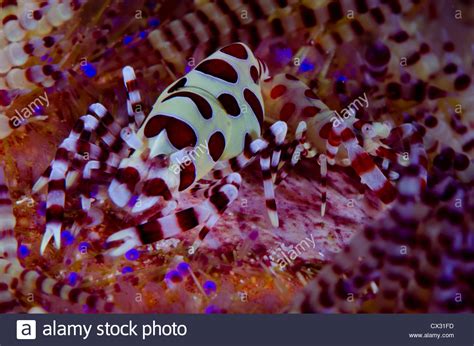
<point>61,171</point>
<point>293,152</point>
<point>57,180</point>
<point>277,135</point>
<point>363,164</point>
<point>107,131</point>
<point>61,174</point>
<point>232,179</point>
<point>115,140</point>
<point>78,139</point>
<point>269,148</point>
<point>290,99</point>
<point>134,99</point>
<point>206,214</point>
<point>301,148</point>
<point>159,184</point>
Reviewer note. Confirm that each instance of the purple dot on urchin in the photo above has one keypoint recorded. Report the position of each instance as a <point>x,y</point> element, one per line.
<point>174,276</point>
<point>283,54</point>
<point>73,278</point>
<point>89,70</point>
<point>5,98</point>
<point>154,22</point>
<point>183,268</point>
<point>83,245</point>
<point>306,66</point>
<point>253,235</point>
<point>342,79</point>
<point>127,39</point>
<point>42,209</point>
<point>68,238</point>
<point>126,270</point>
<point>209,287</point>
<point>132,255</point>
<point>212,309</point>
<point>87,309</point>
<point>39,110</point>
<point>23,251</point>
<point>94,191</point>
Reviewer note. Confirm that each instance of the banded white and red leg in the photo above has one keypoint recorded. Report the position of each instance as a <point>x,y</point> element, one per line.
<point>206,214</point>
<point>269,161</point>
<point>269,148</point>
<point>57,179</point>
<point>134,99</point>
<point>291,100</point>
<point>363,164</point>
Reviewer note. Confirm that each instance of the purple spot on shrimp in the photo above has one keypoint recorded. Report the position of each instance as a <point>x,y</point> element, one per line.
<point>127,39</point>
<point>143,34</point>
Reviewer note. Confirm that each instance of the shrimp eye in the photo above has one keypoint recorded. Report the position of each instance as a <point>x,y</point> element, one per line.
<point>368,130</point>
